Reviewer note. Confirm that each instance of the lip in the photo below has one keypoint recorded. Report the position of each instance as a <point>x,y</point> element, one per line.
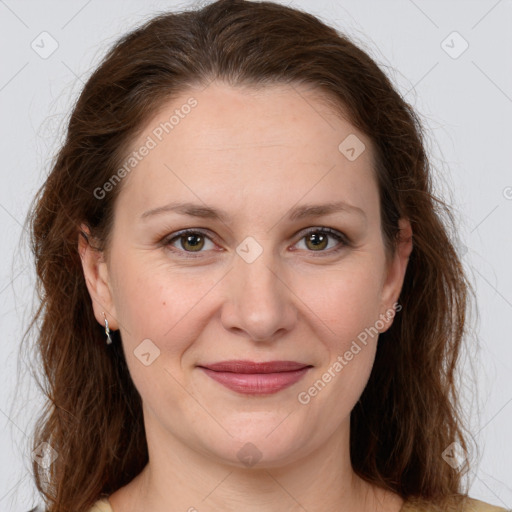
<point>249,377</point>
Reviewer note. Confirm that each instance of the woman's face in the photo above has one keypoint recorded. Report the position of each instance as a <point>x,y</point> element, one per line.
<point>272,271</point>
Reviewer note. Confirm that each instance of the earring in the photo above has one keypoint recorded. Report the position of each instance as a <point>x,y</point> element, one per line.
<point>107,330</point>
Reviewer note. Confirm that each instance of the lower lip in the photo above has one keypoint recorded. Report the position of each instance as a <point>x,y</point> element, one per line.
<point>257,383</point>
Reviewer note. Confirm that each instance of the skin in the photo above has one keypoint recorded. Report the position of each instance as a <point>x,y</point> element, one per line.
<point>256,154</point>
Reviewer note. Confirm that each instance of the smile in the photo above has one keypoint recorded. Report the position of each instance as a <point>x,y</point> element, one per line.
<point>247,377</point>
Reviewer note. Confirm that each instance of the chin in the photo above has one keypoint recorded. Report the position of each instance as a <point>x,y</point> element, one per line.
<point>257,448</point>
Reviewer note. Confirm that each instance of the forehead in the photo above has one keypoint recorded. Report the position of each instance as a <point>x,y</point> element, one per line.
<point>272,144</point>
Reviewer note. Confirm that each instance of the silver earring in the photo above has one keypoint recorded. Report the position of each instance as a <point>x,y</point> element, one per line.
<point>107,330</point>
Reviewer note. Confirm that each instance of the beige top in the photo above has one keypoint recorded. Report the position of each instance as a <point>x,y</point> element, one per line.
<point>101,506</point>
<point>472,505</point>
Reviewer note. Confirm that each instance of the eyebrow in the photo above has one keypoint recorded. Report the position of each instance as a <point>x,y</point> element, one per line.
<point>297,213</point>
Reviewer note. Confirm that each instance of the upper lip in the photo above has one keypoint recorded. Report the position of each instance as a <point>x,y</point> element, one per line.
<point>238,366</point>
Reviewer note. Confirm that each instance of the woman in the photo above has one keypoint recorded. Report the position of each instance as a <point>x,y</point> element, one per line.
<point>251,301</point>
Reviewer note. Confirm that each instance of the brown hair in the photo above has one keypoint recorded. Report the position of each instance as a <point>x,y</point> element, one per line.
<point>408,413</point>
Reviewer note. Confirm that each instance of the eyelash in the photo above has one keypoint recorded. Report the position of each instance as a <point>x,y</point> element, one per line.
<point>340,237</point>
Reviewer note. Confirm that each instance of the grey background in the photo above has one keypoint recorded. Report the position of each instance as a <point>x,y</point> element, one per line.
<point>465,103</point>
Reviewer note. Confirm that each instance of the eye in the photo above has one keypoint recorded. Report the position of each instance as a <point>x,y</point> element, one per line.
<point>189,241</point>
<point>317,240</point>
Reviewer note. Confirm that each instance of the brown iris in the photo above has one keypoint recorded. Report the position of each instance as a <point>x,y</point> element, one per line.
<point>195,242</point>
<point>319,240</point>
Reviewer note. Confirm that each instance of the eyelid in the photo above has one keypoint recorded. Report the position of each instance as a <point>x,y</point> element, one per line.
<point>324,229</point>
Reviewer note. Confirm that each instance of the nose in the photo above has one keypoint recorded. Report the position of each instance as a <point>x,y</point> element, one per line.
<point>259,302</point>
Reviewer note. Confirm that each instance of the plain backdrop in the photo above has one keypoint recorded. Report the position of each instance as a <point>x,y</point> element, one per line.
<point>450,59</point>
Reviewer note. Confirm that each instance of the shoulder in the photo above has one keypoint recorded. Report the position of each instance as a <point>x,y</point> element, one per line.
<point>473,505</point>
<point>464,504</point>
<point>101,506</point>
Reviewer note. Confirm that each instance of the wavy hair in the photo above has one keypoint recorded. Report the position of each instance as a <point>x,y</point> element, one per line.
<point>409,412</point>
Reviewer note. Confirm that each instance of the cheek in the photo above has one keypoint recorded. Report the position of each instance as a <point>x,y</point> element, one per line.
<point>345,301</point>
<point>346,311</point>
<point>158,311</point>
<point>157,303</point>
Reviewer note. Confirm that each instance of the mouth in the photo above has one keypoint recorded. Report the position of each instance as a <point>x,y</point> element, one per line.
<point>249,377</point>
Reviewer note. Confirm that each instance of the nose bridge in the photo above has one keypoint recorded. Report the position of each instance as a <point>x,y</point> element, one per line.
<point>259,302</point>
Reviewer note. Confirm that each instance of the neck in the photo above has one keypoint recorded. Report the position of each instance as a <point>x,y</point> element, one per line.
<point>179,477</point>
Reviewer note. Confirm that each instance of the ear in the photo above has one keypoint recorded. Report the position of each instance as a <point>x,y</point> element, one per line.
<point>97,279</point>
<point>396,268</point>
